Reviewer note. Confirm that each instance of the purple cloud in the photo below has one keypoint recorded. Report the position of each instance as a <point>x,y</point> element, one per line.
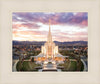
<point>28,25</point>
<point>78,19</point>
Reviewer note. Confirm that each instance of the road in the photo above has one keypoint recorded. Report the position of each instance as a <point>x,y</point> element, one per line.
<point>14,66</point>
<point>85,62</point>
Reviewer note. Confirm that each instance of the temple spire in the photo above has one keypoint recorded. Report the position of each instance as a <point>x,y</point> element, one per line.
<point>49,34</point>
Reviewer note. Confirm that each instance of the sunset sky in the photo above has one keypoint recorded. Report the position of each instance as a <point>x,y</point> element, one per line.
<point>65,26</point>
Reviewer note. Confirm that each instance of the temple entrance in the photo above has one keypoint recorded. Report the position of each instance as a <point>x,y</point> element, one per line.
<point>50,52</point>
<point>50,57</point>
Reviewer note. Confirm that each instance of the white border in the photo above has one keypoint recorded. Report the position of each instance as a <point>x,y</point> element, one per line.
<point>9,77</point>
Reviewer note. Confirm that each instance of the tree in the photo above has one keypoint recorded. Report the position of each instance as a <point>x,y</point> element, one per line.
<point>79,63</point>
<point>19,66</point>
<point>32,59</point>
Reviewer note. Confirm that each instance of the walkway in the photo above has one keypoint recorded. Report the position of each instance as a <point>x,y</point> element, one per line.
<point>49,66</point>
<point>14,66</point>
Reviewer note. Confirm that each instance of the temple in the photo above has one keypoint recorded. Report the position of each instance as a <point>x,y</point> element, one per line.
<point>49,51</point>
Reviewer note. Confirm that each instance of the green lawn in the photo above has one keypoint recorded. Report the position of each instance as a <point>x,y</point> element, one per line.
<point>71,57</point>
<point>69,66</point>
<point>26,66</point>
<point>66,64</point>
<point>73,66</point>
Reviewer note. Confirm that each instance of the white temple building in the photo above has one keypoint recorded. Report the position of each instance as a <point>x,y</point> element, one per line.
<point>49,49</point>
<point>49,52</point>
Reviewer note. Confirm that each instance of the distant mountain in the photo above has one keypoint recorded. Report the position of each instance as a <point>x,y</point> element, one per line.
<point>28,42</point>
<point>72,43</point>
<point>42,42</point>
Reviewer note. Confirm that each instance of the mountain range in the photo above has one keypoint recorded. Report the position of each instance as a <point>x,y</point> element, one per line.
<point>42,42</point>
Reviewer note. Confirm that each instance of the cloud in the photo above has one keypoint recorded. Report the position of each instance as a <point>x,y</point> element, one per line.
<point>30,33</point>
<point>59,33</point>
<point>27,25</point>
<point>78,19</point>
<point>33,26</point>
<point>67,38</point>
<point>80,33</point>
<point>42,36</point>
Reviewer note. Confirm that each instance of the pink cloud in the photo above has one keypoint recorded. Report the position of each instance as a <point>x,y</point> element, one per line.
<point>27,25</point>
<point>80,33</point>
<point>30,32</point>
<point>63,18</point>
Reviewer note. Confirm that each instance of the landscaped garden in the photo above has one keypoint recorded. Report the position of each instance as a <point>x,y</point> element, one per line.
<point>27,66</point>
<point>72,66</point>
